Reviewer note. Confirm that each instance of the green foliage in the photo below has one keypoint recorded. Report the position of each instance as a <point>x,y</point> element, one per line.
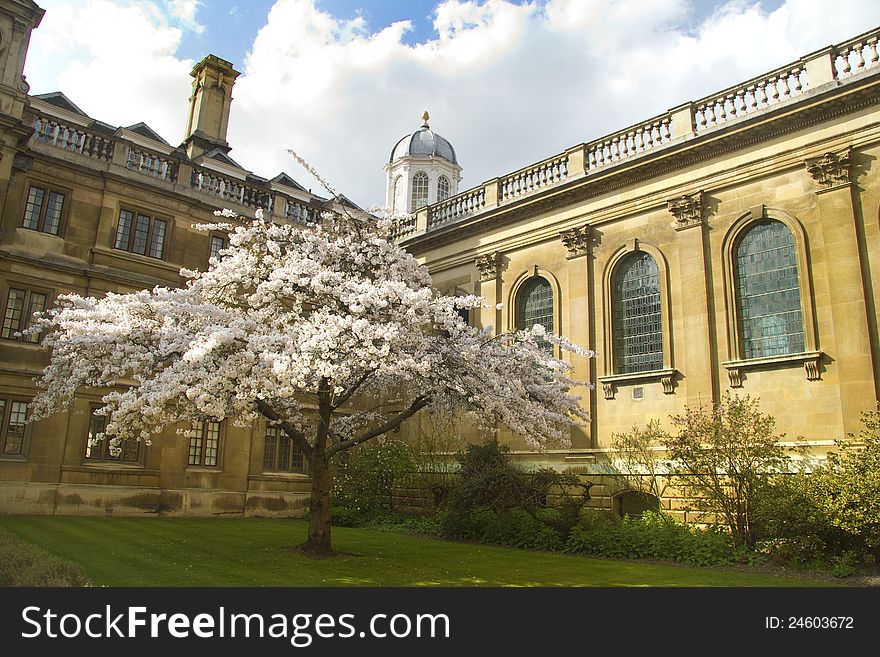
<point>832,516</point>
<point>654,535</point>
<point>640,469</point>
<point>366,477</point>
<point>721,456</point>
<point>24,564</point>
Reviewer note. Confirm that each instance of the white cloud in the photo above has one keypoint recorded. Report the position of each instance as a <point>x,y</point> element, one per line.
<point>508,84</point>
<point>185,12</point>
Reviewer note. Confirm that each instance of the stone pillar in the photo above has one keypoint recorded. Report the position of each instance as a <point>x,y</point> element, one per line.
<point>581,322</point>
<point>853,352</point>
<point>490,267</point>
<point>694,357</point>
<point>820,67</point>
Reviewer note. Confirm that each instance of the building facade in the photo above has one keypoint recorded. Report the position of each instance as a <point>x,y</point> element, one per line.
<point>89,208</point>
<point>729,244</point>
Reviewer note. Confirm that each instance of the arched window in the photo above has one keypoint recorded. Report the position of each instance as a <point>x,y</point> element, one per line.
<point>635,298</point>
<point>395,196</point>
<point>534,305</point>
<point>768,295</point>
<point>442,188</point>
<point>419,190</point>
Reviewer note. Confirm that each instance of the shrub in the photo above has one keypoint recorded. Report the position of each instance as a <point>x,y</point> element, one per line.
<point>24,564</point>
<point>654,535</point>
<point>366,477</point>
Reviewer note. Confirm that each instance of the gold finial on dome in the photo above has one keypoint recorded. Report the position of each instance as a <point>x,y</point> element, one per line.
<point>425,118</point>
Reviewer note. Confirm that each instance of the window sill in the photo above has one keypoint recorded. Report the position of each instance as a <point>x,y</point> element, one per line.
<point>204,468</point>
<point>128,468</point>
<point>809,359</point>
<point>13,458</point>
<point>666,377</point>
<point>280,476</point>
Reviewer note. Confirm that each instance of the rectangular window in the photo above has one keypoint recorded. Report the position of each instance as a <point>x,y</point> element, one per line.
<point>281,454</point>
<point>13,416</point>
<point>204,444</point>
<point>100,450</point>
<point>218,242</point>
<point>43,210</point>
<point>140,233</point>
<point>18,313</point>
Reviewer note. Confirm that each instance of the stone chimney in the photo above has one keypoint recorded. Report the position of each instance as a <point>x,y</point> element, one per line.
<point>17,19</point>
<point>209,105</point>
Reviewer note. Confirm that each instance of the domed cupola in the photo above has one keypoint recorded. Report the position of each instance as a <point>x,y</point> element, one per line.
<point>422,169</point>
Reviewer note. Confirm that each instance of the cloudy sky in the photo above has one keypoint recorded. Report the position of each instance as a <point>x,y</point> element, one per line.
<point>507,82</point>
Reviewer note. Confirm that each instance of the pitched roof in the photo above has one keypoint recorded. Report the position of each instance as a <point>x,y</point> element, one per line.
<point>58,99</point>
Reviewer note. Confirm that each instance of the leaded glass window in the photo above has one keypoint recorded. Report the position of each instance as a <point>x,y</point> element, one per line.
<point>635,299</point>
<point>534,305</point>
<point>442,188</point>
<point>768,292</point>
<point>281,453</point>
<point>100,450</point>
<point>204,444</point>
<point>419,190</point>
<point>43,210</point>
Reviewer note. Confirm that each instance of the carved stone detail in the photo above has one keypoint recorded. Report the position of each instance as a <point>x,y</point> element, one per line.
<point>21,162</point>
<point>735,376</point>
<point>609,389</point>
<point>490,266</point>
<point>687,210</point>
<point>831,170</point>
<point>811,367</point>
<point>668,383</point>
<point>19,27</point>
<point>578,241</point>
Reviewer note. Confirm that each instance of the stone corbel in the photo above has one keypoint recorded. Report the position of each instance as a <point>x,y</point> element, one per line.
<point>687,210</point>
<point>734,375</point>
<point>831,171</point>
<point>609,389</point>
<point>578,241</point>
<point>490,265</point>
<point>811,361</point>
<point>811,367</point>
<point>668,383</point>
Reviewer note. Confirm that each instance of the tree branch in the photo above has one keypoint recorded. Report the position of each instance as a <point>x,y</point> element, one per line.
<point>295,434</point>
<point>345,396</point>
<point>418,404</point>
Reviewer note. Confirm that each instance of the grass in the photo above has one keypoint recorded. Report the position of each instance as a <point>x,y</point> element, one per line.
<point>255,552</point>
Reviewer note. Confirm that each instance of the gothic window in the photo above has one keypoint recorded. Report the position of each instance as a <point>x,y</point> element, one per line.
<point>768,300</point>
<point>635,299</point>
<point>419,190</point>
<point>534,305</point>
<point>442,188</point>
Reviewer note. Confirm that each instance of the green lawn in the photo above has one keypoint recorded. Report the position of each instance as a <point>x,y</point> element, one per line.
<point>252,552</point>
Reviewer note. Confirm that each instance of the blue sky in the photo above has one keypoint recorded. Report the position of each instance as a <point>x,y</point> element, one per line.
<point>340,81</point>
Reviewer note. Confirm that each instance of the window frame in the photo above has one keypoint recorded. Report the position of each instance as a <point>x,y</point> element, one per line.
<point>203,447</point>
<point>5,416</point>
<point>294,449</point>
<point>617,359</point>
<point>412,193</point>
<point>26,318</point>
<point>48,190</point>
<point>448,192</point>
<point>131,238</point>
<point>731,242</point>
<point>213,236</point>
<point>105,457</point>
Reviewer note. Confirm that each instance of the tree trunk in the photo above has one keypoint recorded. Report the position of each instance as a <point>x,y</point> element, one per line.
<point>318,542</point>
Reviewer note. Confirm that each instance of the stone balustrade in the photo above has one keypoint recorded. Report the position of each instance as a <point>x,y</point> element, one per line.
<point>72,138</point>
<point>151,164</point>
<point>403,226</point>
<point>761,93</point>
<point>230,189</point>
<point>630,141</point>
<point>749,97</point>
<point>299,213</point>
<point>455,207</point>
<point>530,179</point>
<point>854,56</point>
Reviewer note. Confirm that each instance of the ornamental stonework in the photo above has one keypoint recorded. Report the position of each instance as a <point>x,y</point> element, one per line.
<point>490,266</point>
<point>687,210</point>
<point>578,241</point>
<point>831,170</point>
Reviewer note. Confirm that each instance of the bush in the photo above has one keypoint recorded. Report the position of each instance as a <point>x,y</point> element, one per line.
<point>654,535</point>
<point>366,477</point>
<point>24,564</point>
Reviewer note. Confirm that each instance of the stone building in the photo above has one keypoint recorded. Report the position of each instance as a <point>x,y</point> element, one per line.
<point>731,243</point>
<point>90,207</point>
